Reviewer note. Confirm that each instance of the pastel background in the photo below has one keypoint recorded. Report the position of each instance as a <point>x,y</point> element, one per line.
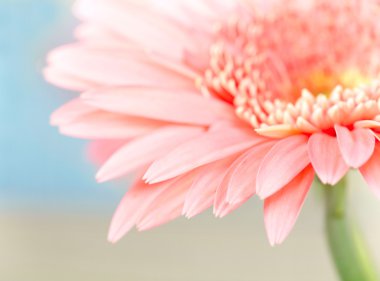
<point>54,217</point>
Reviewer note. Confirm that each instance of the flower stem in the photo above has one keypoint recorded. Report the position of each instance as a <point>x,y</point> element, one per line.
<point>347,247</point>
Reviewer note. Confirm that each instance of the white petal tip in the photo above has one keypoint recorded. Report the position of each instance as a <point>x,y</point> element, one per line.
<point>86,96</point>
<point>273,242</point>
<point>113,239</point>
<point>146,177</point>
<point>149,181</point>
<point>262,195</point>
<point>100,180</point>
<point>53,122</point>
<point>101,177</point>
<point>153,180</point>
<point>218,213</point>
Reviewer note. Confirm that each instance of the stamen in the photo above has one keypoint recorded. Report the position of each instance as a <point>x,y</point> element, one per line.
<point>282,83</point>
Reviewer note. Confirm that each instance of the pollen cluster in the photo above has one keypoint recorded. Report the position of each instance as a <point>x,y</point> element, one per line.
<point>299,70</point>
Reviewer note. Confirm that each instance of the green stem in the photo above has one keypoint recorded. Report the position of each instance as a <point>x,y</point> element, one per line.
<point>346,244</point>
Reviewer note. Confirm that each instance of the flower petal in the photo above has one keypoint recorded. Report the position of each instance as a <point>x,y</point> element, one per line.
<point>284,161</point>
<point>70,111</point>
<point>162,104</point>
<point>97,34</point>
<point>326,158</point>
<point>371,171</point>
<point>144,150</point>
<point>202,192</point>
<point>105,125</point>
<point>356,146</point>
<point>368,124</point>
<point>100,150</point>
<point>221,206</point>
<point>205,149</point>
<point>64,80</point>
<point>141,26</point>
<point>278,131</point>
<point>135,202</point>
<point>168,205</point>
<point>242,183</point>
<point>281,210</point>
<point>112,67</point>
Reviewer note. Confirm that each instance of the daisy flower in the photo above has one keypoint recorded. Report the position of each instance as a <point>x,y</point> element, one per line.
<point>213,102</point>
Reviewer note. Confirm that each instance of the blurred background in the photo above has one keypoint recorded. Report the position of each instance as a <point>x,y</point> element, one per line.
<point>54,217</point>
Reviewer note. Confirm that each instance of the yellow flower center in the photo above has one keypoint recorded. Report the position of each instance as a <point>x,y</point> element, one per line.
<point>320,82</point>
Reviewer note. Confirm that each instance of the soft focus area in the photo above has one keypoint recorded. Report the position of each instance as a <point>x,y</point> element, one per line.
<point>54,217</point>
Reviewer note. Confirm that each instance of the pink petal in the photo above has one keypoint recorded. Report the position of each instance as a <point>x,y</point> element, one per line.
<point>162,104</point>
<point>144,150</point>
<point>174,10</point>
<point>281,210</point>
<point>198,13</point>
<point>168,204</point>
<point>205,149</point>
<point>69,112</point>
<point>99,151</point>
<point>132,206</point>
<point>367,124</point>
<point>141,26</point>
<point>113,67</point>
<point>371,171</point>
<point>202,192</point>
<point>239,173</point>
<point>104,125</point>
<point>284,161</point>
<point>221,206</point>
<point>64,80</point>
<point>96,33</point>
<point>228,208</point>
<point>116,44</point>
<point>356,146</point>
<point>326,158</point>
<point>242,183</point>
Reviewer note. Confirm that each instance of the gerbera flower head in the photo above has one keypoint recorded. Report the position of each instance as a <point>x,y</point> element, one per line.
<point>213,102</point>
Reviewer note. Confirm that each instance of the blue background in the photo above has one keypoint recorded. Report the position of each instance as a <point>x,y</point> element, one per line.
<point>39,168</point>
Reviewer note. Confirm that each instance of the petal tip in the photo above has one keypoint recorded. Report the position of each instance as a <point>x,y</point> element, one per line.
<point>103,175</point>
<point>113,236</point>
<point>261,191</point>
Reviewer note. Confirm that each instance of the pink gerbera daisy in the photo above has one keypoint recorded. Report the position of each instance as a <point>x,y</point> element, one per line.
<point>213,102</point>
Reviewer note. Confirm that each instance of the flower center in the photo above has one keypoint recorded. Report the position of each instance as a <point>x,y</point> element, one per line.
<point>300,71</point>
<point>320,82</point>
